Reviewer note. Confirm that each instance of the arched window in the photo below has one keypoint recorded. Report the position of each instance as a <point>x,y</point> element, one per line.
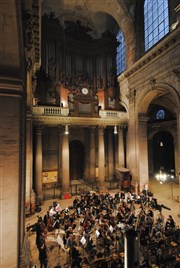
<point>160,115</point>
<point>121,53</point>
<point>156,21</point>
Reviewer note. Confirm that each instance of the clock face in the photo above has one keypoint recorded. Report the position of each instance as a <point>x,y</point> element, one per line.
<point>85,91</point>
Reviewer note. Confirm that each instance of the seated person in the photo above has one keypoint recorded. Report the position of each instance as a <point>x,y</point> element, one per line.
<point>170,223</point>
<point>58,208</point>
<point>52,212</point>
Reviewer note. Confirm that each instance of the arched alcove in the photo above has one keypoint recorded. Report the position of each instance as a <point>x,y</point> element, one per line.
<point>163,151</point>
<point>77,160</point>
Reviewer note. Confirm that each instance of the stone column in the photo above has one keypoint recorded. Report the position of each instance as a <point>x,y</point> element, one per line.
<point>132,160</point>
<point>12,176</point>
<point>29,162</point>
<point>60,135</point>
<point>92,154</point>
<point>38,164</point>
<point>65,164</point>
<point>115,147</point>
<point>150,156</point>
<point>143,151</point>
<point>110,154</point>
<point>101,157</point>
<point>120,147</point>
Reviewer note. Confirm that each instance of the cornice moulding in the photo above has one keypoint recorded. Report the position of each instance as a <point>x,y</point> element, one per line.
<point>165,45</point>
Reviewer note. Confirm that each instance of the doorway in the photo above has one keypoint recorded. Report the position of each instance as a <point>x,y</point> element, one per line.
<point>163,152</point>
<point>77,160</point>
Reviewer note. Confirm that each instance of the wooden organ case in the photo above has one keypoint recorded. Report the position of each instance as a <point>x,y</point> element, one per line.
<point>77,71</point>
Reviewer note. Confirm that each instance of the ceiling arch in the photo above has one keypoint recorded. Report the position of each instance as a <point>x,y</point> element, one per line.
<point>100,16</point>
<point>163,95</point>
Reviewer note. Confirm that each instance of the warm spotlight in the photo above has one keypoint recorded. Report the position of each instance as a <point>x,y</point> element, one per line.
<point>66,130</point>
<point>115,129</point>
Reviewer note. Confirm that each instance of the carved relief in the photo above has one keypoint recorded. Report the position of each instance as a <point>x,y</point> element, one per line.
<point>131,96</point>
<point>28,29</point>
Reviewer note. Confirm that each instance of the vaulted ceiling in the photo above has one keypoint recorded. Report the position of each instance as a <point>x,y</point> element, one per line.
<point>99,15</point>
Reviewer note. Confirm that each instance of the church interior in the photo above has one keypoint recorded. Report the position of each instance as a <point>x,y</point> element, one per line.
<point>90,128</point>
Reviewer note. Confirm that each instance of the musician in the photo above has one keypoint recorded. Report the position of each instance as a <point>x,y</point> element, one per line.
<point>52,212</point>
<point>145,264</point>
<point>40,228</point>
<point>116,261</point>
<point>70,241</point>
<point>43,255</point>
<point>170,223</point>
<point>46,217</point>
<point>58,208</point>
<point>131,217</point>
<point>160,218</point>
<point>75,255</point>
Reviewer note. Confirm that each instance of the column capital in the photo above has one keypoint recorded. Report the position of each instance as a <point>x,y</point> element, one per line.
<point>92,129</point>
<point>101,129</point>
<point>142,117</point>
<point>39,129</point>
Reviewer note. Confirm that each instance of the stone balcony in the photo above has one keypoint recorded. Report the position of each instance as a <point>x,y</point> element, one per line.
<point>55,115</point>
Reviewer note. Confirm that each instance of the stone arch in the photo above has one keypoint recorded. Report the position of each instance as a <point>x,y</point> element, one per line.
<point>162,151</point>
<point>119,12</point>
<point>157,90</point>
<point>124,105</point>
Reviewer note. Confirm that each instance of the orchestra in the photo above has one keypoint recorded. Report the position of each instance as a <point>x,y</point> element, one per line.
<point>95,225</point>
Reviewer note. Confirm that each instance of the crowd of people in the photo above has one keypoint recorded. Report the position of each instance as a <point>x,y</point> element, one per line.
<point>92,231</point>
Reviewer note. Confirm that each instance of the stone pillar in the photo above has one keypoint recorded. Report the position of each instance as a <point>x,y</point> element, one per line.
<point>110,154</point>
<point>143,151</point>
<point>150,157</point>
<point>115,138</point>
<point>12,166</point>
<point>101,157</point>
<point>120,147</point>
<point>60,135</point>
<point>38,164</point>
<point>92,154</point>
<point>132,160</point>
<point>29,162</point>
<point>65,164</point>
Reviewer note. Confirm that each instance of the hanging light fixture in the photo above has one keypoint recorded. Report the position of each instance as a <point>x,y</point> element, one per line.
<point>66,130</point>
<point>115,129</point>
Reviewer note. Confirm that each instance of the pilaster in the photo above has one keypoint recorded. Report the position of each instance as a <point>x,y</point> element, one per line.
<point>38,164</point>
<point>110,154</point>
<point>143,151</point>
<point>92,154</point>
<point>60,135</point>
<point>65,164</point>
<point>101,157</point>
<point>120,147</point>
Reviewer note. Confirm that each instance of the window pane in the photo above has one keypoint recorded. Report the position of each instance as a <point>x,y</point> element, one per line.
<point>156,21</point>
<point>121,54</point>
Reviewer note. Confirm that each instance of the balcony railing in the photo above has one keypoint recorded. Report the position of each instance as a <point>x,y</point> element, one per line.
<point>112,114</point>
<point>50,110</point>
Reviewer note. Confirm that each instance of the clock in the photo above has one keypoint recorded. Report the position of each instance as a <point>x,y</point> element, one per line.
<point>85,91</point>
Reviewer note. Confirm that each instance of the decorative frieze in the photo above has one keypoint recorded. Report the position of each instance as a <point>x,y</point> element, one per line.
<point>131,96</point>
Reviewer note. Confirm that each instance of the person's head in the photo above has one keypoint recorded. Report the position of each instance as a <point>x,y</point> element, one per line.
<point>40,219</point>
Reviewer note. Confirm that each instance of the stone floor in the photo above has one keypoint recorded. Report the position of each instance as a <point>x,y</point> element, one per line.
<point>166,194</point>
